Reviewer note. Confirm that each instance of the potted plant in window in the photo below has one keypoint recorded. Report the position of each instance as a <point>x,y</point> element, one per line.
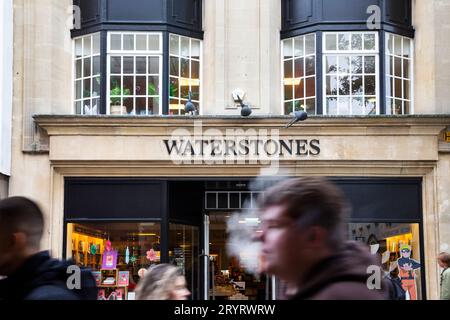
<point>116,107</point>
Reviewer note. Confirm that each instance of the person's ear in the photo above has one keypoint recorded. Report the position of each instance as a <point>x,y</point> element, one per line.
<point>316,236</point>
<point>18,240</point>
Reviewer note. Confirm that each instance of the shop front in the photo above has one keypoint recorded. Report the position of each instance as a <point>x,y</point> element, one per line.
<point>129,193</point>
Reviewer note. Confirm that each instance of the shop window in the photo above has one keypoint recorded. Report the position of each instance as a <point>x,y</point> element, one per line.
<point>184,252</point>
<point>115,252</point>
<point>87,74</point>
<point>299,74</point>
<point>134,73</point>
<point>350,69</point>
<point>399,62</point>
<point>399,244</point>
<point>184,65</point>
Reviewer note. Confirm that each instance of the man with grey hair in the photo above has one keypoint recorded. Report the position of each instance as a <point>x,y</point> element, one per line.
<point>32,274</point>
<point>303,242</point>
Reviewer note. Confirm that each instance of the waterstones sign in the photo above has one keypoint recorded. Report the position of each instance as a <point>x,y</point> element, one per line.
<point>240,146</point>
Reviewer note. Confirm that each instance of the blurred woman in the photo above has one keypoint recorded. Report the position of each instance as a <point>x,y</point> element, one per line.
<point>162,282</point>
<point>444,263</point>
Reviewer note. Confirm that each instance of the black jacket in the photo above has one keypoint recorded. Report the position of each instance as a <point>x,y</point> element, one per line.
<point>44,278</point>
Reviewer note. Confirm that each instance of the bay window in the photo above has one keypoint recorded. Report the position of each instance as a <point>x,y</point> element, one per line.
<point>350,68</point>
<point>398,74</point>
<point>299,74</point>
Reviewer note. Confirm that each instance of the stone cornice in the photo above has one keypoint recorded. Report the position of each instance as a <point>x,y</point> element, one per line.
<point>56,125</point>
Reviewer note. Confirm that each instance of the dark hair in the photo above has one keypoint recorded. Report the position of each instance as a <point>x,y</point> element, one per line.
<point>445,258</point>
<point>311,201</point>
<point>19,214</point>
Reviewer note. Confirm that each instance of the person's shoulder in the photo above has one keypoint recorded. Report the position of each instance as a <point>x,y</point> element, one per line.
<point>446,273</point>
<point>51,292</point>
<point>349,290</point>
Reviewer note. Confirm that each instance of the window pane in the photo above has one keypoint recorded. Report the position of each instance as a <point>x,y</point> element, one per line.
<point>406,68</point>
<point>185,47</point>
<point>390,65</point>
<point>129,105</point>
<point>87,107</point>
<point>86,88</point>
<point>174,107</point>
<point>356,42</point>
<point>344,106</point>
<point>141,65</point>
<point>369,85</point>
<point>398,106</point>
<point>184,68</point>
<point>154,45</point>
<point>398,88</point>
<point>184,89</point>
<point>288,92</point>
<point>407,107</point>
<point>397,45</point>
<point>116,42</point>
<point>357,106</point>
<point>299,46</point>
<point>357,85</point>
<point>406,89</point>
<point>331,64</point>
<point>174,45</point>
<point>128,83</point>
<point>96,65</point>
<point>299,105</point>
<point>140,86</point>
<point>128,42</point>
<point>78,89</point>
<point>288,107</point>
<point>298,68</point>
<point>115,86</point>
<point>86,67</point>
<point>141,42</point>
<point>344,86</point>
<point>195,49</point>
<point>96,43</point>
<point>310,47</point>
<point>153,86</point>
<point>128,65</point>
<point>356,64</point>
<point>87,46</point>
<point>310,66</point>
<point>332,106</point>
<point>370,105</point>
<point>299,88</point>
<point>398,67</point>
<point>390,44</point>
<point>344,65</point>
<point>78,47</point>
<point>153,105</point>
<point>331,43</point>
<point>389,106</point>
<point>288,69</point>
<point>173,90</point>
<point>343,41</point>
<point>78,64</point>
<point>287,48</point>
<point>116,65</point>
<point>195,69</point>
<point>310,87</point>
<point>96,87</point>
<point>174,66</point>
<point>406,47</point>
<point>153,65</point>
<point>141,106</point>
<point>369,64</point>
<point>311,106</point>
<point>78,107</point>
<point>369,42</point>
<point>331,85</point>
<point>195,92</point>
